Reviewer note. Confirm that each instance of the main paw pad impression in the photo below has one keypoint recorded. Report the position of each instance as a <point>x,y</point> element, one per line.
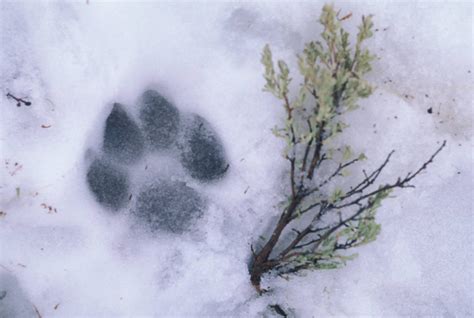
<point>161,203</point>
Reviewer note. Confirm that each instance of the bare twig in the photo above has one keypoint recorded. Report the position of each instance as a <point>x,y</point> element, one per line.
<point>400,183</point>
<point>19,100</point>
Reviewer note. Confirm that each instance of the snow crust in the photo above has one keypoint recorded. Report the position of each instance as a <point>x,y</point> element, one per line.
<point>62,253</point>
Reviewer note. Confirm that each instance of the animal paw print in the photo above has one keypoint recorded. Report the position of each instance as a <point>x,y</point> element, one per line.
<point>137,166</point>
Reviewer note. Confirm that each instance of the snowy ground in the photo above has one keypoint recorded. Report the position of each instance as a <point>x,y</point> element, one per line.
<point>73,60</point>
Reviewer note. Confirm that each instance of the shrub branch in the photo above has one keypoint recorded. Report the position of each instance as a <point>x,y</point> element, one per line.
<point>323,223</point>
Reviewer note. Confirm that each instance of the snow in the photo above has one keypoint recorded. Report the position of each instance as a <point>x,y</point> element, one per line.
<point>73,60</point>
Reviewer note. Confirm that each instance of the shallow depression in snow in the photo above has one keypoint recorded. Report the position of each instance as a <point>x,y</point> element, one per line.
<point>87,165</point>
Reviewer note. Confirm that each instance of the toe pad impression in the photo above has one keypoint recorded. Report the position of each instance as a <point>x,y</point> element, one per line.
<point>123,140</point>
<point>160,120</point>
<point>108,183</point>
<point>202,153</point>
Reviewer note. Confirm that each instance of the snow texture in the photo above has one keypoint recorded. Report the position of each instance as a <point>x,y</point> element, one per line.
<point>63,254</point>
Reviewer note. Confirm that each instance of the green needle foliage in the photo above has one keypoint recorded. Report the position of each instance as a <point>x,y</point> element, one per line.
<point>314,228</point>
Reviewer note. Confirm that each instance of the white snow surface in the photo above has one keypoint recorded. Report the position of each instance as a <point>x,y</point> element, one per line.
<point>72,60</point>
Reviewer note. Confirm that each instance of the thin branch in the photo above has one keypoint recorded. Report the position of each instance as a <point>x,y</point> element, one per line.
<point>19,101</point>
<point>308,243</point>
<point>308,208</point>
<point>337,172</point>
<point>346,245</point>
<point>289,111</point>
<point>302,235</point>
<point>400,183</point>
<point>317,150</point>
<point>369,179</point>
<point>341,223</point>
<point>296,240</point>
<point>333,175</point>
<point>292,177</point>
<point>308,147</point>
<point>425,165</point>
<point>323,204</point>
